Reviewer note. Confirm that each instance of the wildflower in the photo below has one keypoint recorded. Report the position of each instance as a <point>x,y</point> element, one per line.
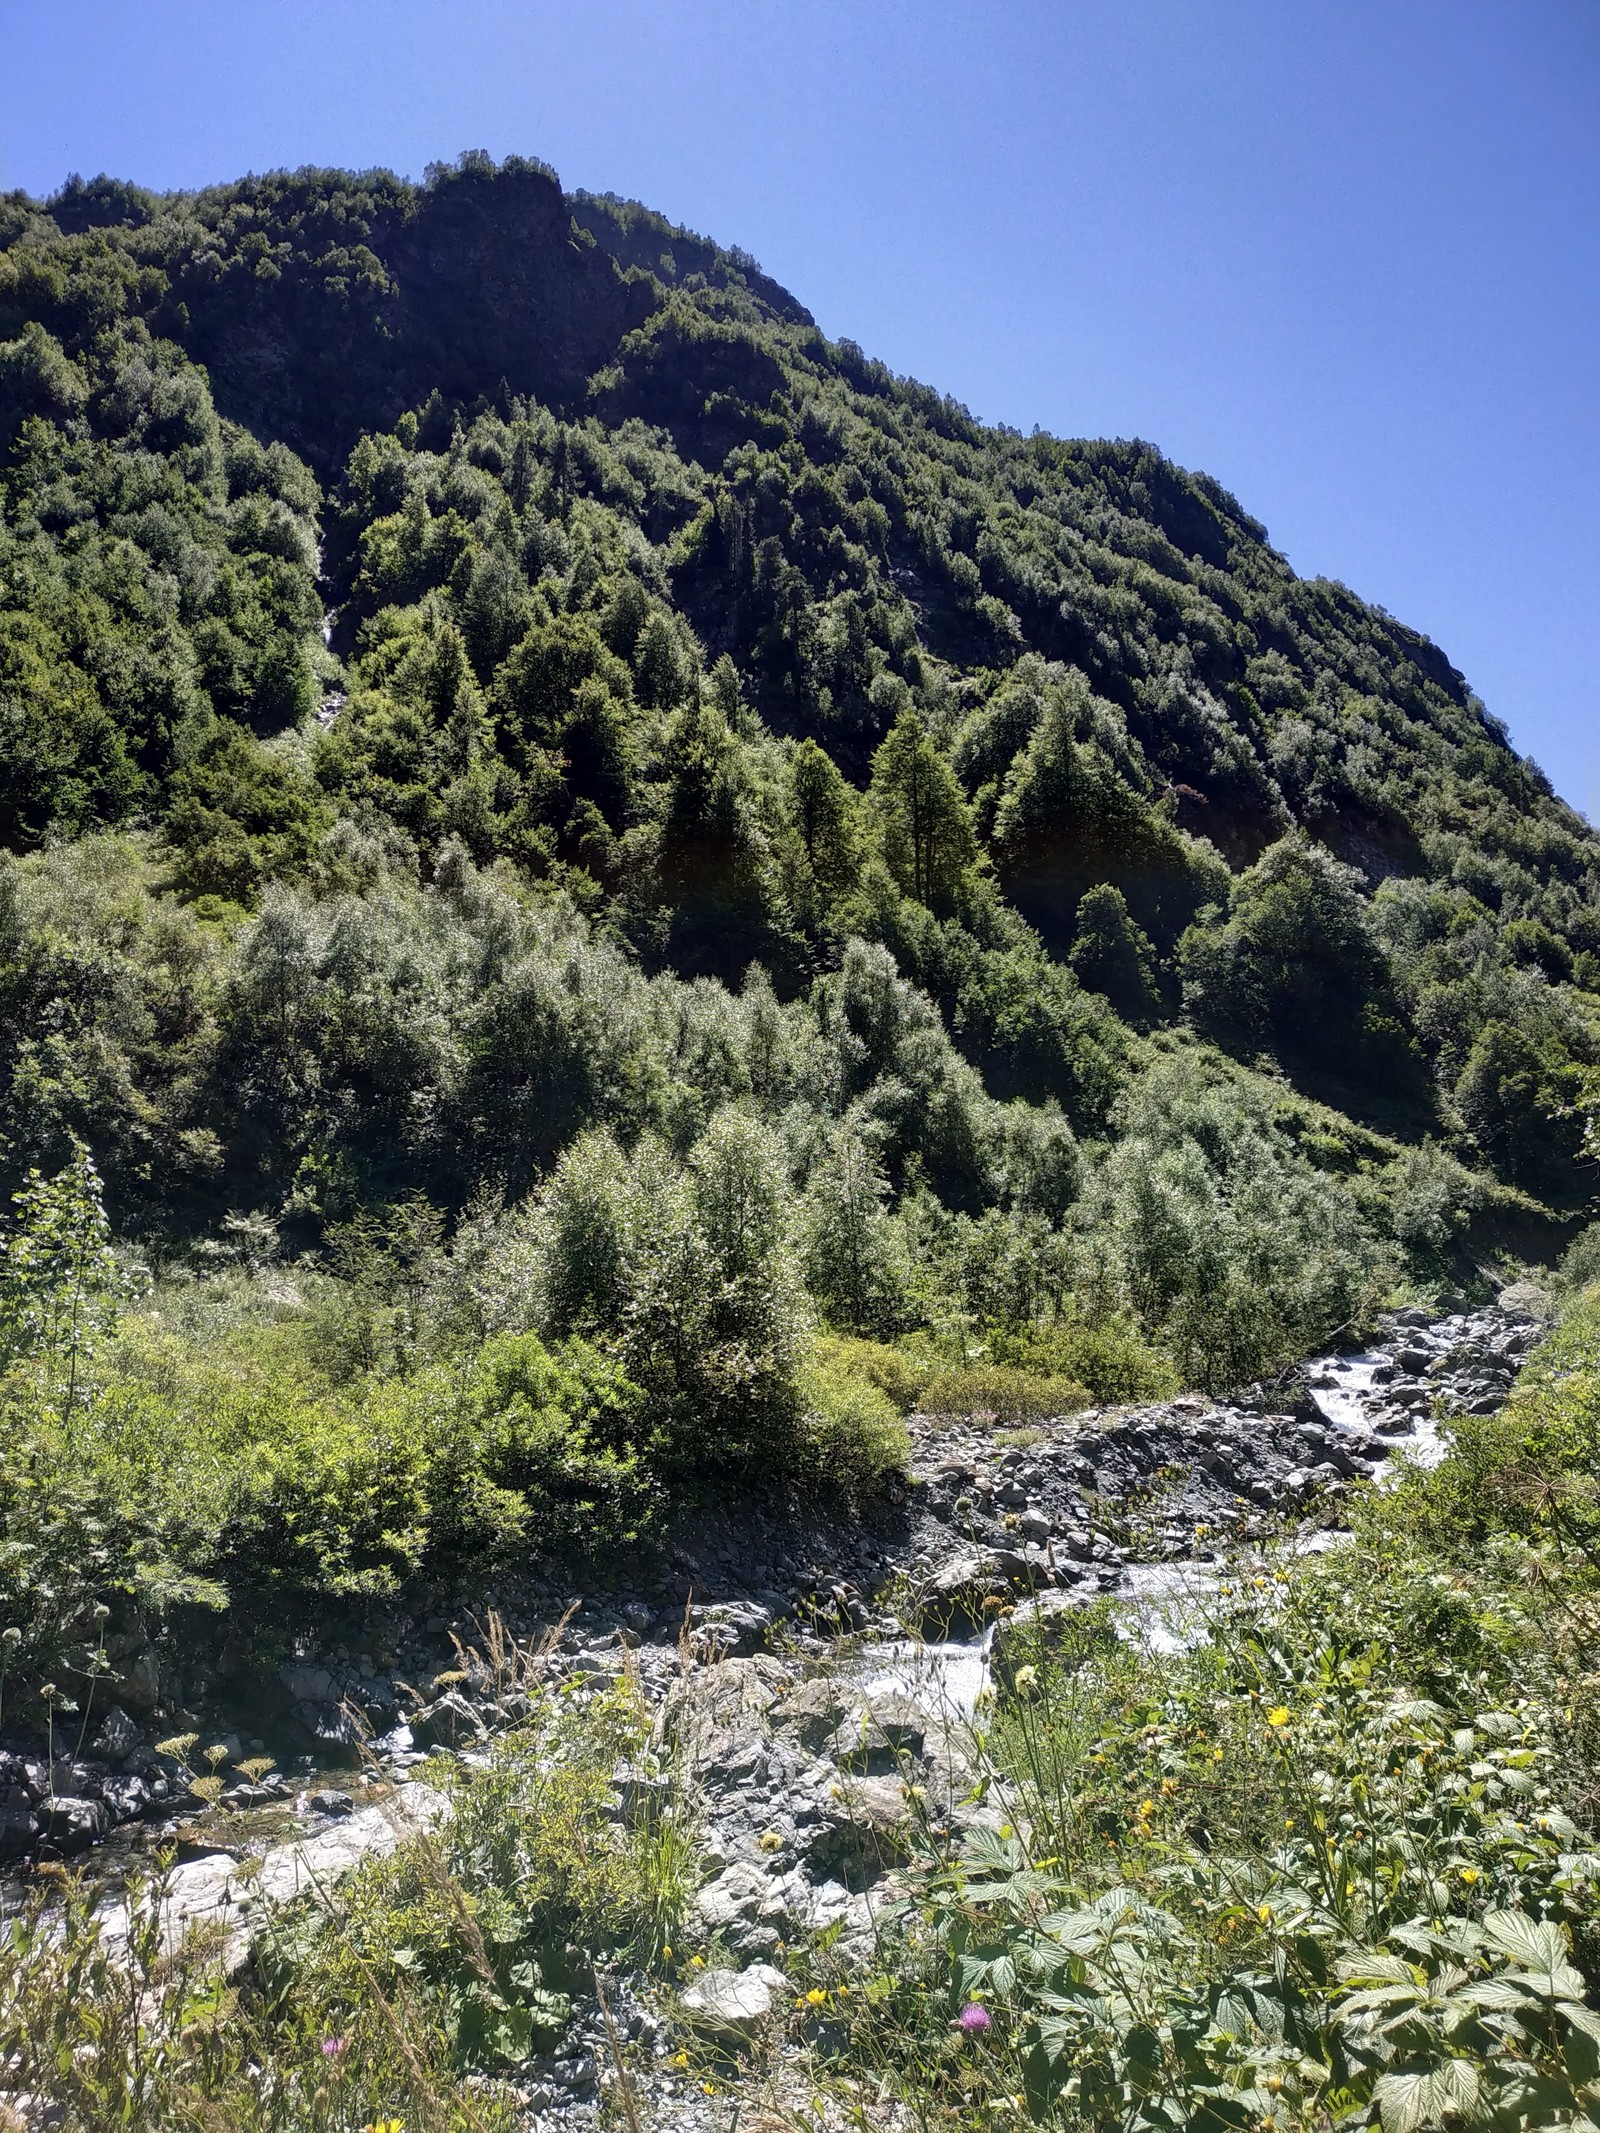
<point>666,1955</point>
<point>1264,1913</point>
<point>384,2125</point>
<point>973,2020</point>
<point>1469,1875</point>
<point>335,2047</point>
<point>1025,1680</point>
<point>772,1841</point>
<point>1216,1755</point>
<point>680,2060</point>
<point>1278,1716</point>
<point>816,1997</point>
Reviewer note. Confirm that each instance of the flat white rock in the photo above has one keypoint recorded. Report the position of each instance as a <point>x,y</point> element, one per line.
<point>734,2003</point>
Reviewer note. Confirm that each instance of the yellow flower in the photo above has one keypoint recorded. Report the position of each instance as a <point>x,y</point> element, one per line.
<point>384,2125</point>
<point>1025,1680</point>
<point>772,1841</point>
<point>666,1955</point>
<point>1279,1716</point>
<point>1216,1755</point>
<point>1469,1875</point>
<point>816,1997</point>
<point>680,2060</point>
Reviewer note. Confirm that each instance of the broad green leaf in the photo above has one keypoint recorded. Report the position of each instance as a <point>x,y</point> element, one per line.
<point>1533,1942</point>
<point>1409,2101</point>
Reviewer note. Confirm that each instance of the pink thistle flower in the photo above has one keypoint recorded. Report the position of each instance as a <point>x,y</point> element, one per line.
<point>973,2020</point>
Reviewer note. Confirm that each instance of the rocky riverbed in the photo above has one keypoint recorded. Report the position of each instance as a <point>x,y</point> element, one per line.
<point>1078,1506</point>
<point>810,1681</point>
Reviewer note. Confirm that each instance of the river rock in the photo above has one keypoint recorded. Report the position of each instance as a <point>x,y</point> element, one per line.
<point>231,1901</point>
<point>448,1722</point>
<point>309,1684</point>
<point>733,2005</point>
<point>72,1825</point>
<point>19,1832</point>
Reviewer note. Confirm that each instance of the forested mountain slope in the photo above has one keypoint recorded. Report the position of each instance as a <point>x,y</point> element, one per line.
<point>714,734</point>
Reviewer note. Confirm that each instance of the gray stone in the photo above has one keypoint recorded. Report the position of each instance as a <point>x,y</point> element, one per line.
<point>118,1736</point>
<point>137,1682</point>
<point>1525,1299</point>
<point>72,1825</point>
<point>744,1892</point>
<point>732,2005</point>
<point>19,1832</point>
<point>309,1684</point>
<point>213,1891</point>
<point>813,1711</point>
<point>448,1722</point>
<point>335,1726</point>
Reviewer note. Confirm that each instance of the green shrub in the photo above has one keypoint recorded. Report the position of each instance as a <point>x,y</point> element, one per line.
<point>1111,1359</point>
<point>895,1371</point>
<point>854,1435</point>
<point>1580,1262</point>
<point>1008,1395</point>
<point>335,1498</point>
<point>554,1452</point>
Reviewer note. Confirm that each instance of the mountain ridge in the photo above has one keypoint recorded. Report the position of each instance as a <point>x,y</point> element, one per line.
<point>645,593</point>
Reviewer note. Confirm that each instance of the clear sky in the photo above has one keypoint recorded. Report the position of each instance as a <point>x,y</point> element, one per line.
<point>1342,254</point>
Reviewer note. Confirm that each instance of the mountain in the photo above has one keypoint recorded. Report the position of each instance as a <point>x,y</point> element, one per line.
<point>479,667</point>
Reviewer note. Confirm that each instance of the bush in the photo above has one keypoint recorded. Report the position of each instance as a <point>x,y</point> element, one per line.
<point>894,1371</point>
<point>1111,1359</point>
<point>855,1438</point>
<point>1580,1262</point>
<point>1008,1395</point>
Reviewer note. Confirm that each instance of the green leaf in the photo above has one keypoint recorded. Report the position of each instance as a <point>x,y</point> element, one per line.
<point>1532,1942</point>
<point>1408,2102</point>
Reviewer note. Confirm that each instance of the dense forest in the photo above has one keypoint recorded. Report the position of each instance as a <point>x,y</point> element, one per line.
<point>544,793</point>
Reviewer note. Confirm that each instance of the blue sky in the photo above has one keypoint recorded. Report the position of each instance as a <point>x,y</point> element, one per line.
<point>1343,254</point>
